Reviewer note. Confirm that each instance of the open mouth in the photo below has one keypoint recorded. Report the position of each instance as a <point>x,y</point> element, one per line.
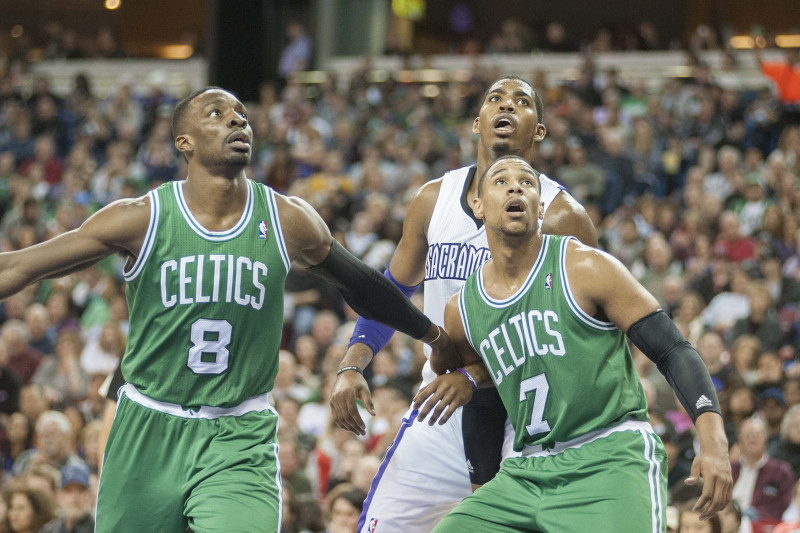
<point>239,141</point>
<point>504,124</point>
<point>515,206</point>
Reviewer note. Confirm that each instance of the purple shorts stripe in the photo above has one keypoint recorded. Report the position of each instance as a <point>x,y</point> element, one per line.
<point>407,423</point>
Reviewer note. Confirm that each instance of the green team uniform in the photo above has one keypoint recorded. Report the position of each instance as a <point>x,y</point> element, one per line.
<point>586,458</point>
<point>194,439</point>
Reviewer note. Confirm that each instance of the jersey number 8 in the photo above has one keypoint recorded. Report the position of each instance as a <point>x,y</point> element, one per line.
<point>209,352</point>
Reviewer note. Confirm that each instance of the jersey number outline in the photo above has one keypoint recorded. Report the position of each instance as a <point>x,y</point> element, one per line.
<point>541,388</point>
<point>201,345</point>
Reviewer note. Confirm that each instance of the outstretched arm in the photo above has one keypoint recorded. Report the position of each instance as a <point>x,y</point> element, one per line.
<point>119,227</point>
<point>601,283</point>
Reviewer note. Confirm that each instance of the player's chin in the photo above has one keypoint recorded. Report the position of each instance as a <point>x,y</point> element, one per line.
<point>238,158</point>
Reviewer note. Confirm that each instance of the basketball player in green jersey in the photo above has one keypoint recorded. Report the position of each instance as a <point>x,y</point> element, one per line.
<point>544,320</point>
<point>193,443</point>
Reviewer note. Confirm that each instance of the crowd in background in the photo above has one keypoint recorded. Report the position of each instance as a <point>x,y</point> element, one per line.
<point>693,187</point>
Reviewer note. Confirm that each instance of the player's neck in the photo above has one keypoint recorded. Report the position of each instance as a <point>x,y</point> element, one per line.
<point>213,198</point>
<point>513,258</point>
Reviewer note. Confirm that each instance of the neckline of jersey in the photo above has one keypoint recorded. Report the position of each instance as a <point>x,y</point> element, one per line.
<point>505,302</point>
<point>200,230</point>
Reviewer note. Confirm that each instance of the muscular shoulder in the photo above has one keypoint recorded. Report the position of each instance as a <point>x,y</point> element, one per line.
<point>422,204</point>
<point>122,223</point>
<point>566,216</point>
<point>307,237</point>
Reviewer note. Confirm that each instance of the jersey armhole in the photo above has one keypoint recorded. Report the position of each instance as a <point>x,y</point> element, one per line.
<point>579,313</point>
<point>272,207</point>
<point>149,239</point>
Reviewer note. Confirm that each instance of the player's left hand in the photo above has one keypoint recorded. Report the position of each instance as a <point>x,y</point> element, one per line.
<point>443,396</point>
<point>713,465</point>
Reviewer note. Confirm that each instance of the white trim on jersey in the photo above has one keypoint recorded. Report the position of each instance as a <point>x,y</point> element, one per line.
<point>653,478</point>
<point>272,206</point>
<point>514,298</point>
<point>208,412</point>
<point>579,313</point>
<point>149,239</point>
<point>225,235</point>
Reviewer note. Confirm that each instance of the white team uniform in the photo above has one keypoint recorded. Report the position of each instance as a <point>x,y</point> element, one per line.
<point>424,474</point>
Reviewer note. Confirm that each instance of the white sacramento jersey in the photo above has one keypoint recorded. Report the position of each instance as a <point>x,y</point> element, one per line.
<point>457,244</point>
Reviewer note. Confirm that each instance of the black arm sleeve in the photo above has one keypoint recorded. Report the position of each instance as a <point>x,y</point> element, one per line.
<point>659,339</point>
<point>370,294</point>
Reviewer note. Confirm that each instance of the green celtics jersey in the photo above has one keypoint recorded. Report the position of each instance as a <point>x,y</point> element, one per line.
<point>560,372</point>
<point>206,307</point>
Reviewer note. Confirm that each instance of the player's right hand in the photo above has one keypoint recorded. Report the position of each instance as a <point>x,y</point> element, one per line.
<point>349,387</point>
<point>442,397</point>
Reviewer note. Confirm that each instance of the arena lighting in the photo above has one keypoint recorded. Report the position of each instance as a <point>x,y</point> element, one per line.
<point>175,51</point>
<point>430,75</point>
<point>788,41</point>
<point>113,4</point>
<point>742,42</point>
<point>16,31</point>
<point>430,91</point>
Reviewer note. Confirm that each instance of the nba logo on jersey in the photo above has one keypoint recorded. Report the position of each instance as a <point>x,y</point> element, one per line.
<point>373,523</point>
<point>548,281</point>
<point>262,229</point>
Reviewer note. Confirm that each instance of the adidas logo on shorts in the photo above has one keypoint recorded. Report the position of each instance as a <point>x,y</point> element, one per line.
<point>702,401</point>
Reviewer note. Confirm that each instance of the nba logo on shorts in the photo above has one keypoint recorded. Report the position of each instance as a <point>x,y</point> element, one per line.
<point>262,229</point>
<point>373,523</point>
<point>548,281</point>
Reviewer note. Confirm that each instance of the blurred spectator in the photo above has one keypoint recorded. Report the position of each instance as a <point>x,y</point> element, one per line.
<point>771,408</point>
<point>28,509</point>
<point>74,499</point>
<point>296,55</point>
<point>731,243</point>
<point>344,507</point>
<point>18,438</point>
<point>38,321</point>
<point>62,377</point>
<point>23,359</point>
<point>585,180</point>
<point>762,484</point>
<point>689,520</point>
<point>760,321</point>
<point>792,525</point>
<point>55,444</point>
<point>10,384</point>
<point>787,448</point>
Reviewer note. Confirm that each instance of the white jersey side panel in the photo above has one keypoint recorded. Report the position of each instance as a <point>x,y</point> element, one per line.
<point>457,245</point>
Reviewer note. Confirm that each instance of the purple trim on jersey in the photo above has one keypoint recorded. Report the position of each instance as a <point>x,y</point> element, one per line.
<point>407,423</point>
<point>372,333</point>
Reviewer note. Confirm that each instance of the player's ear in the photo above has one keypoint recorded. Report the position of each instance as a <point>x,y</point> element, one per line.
<point>541,210</point>
<point>184,144</point>
<point>476,126</point>
<point>477,208</point>
<point>541,131</point>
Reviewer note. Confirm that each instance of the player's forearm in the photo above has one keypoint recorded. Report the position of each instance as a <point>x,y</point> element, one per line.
<point>358,354</point>
<point>711,432</point>
<point>373,296</point>
<point>13,278</point>
<point>479,373</point>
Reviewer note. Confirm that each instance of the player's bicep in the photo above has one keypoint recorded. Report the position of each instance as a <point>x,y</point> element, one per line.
<point>308,239</point>
<point>602,283</point>
<point>119,227</point>
<point>458,335</point>
<point>408,261</point>
<point>566,216</point>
